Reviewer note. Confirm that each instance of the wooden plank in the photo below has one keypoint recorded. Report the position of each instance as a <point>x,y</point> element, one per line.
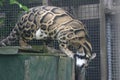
<point>35,67</point>
<point>11,67</point>
<point>43,68</point>
<point>9,50</point>
<point>65,69</point>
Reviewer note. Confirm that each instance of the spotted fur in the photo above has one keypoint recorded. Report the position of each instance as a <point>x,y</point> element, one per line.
<point>49,21</point>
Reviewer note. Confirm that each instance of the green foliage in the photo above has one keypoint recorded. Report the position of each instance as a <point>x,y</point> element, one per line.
<point>12,2</point>
<point>2,21</point>
<point>15,2</point>
<point>5,21</point>
<point>1,2</point>
<point>19,4</point>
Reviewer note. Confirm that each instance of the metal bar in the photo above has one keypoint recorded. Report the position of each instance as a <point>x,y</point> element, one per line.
<point>103,54</point>
<point>108,33</point>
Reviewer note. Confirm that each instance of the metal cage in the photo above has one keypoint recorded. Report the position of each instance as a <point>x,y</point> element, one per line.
<point>101,21</point>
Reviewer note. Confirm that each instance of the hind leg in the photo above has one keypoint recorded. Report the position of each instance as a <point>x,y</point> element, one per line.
<point>24,44</point>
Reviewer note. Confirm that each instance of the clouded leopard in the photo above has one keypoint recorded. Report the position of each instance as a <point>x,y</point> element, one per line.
<point>48,21</point>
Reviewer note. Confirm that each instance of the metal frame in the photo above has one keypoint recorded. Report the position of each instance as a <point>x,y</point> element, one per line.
<point>103,50</point>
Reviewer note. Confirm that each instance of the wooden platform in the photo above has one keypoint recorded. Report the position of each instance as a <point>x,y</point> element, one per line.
<point>34,65</point>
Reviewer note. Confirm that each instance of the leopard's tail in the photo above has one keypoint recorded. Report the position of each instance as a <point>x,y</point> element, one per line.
<point>10,39</point>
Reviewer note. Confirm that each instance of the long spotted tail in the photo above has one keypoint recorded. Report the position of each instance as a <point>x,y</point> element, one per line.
<point>10,39</point>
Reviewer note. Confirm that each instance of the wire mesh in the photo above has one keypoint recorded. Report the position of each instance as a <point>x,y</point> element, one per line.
<point>85,10</point>
<point>88,13</point>
<point>93,28</point>
<point>115,56</point>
